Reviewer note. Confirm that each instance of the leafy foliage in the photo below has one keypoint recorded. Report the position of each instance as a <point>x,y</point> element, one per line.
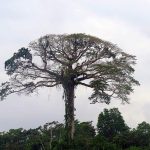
<point>12,64</point>
<point>111,123</point>
<point>51,136</point>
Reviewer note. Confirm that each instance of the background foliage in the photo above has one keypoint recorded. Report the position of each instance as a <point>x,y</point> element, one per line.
<point>112,133</point>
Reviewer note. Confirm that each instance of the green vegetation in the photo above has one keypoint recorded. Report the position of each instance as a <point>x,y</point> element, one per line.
<point>112,133</point>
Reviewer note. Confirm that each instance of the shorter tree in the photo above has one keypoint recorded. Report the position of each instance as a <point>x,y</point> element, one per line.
<point>111,123</point>
<point>84,135</point>
<point>142,134</point>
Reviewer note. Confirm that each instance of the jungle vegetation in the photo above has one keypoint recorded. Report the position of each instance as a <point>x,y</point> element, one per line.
<point>111,133</point>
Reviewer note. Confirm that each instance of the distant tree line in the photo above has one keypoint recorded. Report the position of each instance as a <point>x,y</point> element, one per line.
<point>111,133</point>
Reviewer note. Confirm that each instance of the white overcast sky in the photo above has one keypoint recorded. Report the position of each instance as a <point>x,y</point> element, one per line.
<point>123,22</point>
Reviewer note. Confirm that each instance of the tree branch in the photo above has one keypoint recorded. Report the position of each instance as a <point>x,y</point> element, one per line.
<point>55,58</point>
<point>47,71</point>
<point>84,84</point>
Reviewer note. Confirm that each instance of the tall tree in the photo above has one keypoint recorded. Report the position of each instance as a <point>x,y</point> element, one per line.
<point>68,61</point>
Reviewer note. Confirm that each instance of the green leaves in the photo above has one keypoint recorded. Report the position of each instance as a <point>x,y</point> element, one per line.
<point>111,123</point>
<point>5,90</point>
<point>113,79</point>
<point>14,62</point>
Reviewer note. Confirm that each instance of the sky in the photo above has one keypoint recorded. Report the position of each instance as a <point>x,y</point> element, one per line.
<point>122,22</point>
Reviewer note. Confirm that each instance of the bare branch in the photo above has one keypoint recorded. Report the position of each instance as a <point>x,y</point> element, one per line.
<point>55,57</point>
<point>84,84</point>
<point>47,71</point>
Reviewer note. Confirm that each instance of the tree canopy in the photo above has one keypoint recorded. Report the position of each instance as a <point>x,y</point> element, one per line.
<point>110,123</point>
<point>51,59</point>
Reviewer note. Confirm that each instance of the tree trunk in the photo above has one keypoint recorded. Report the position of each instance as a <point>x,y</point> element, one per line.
<point>69,110</point>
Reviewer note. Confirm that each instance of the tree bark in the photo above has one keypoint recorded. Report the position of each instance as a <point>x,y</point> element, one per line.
<point>69,110</point>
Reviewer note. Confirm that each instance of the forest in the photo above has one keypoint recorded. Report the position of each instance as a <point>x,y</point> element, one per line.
<point>110,133</point>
